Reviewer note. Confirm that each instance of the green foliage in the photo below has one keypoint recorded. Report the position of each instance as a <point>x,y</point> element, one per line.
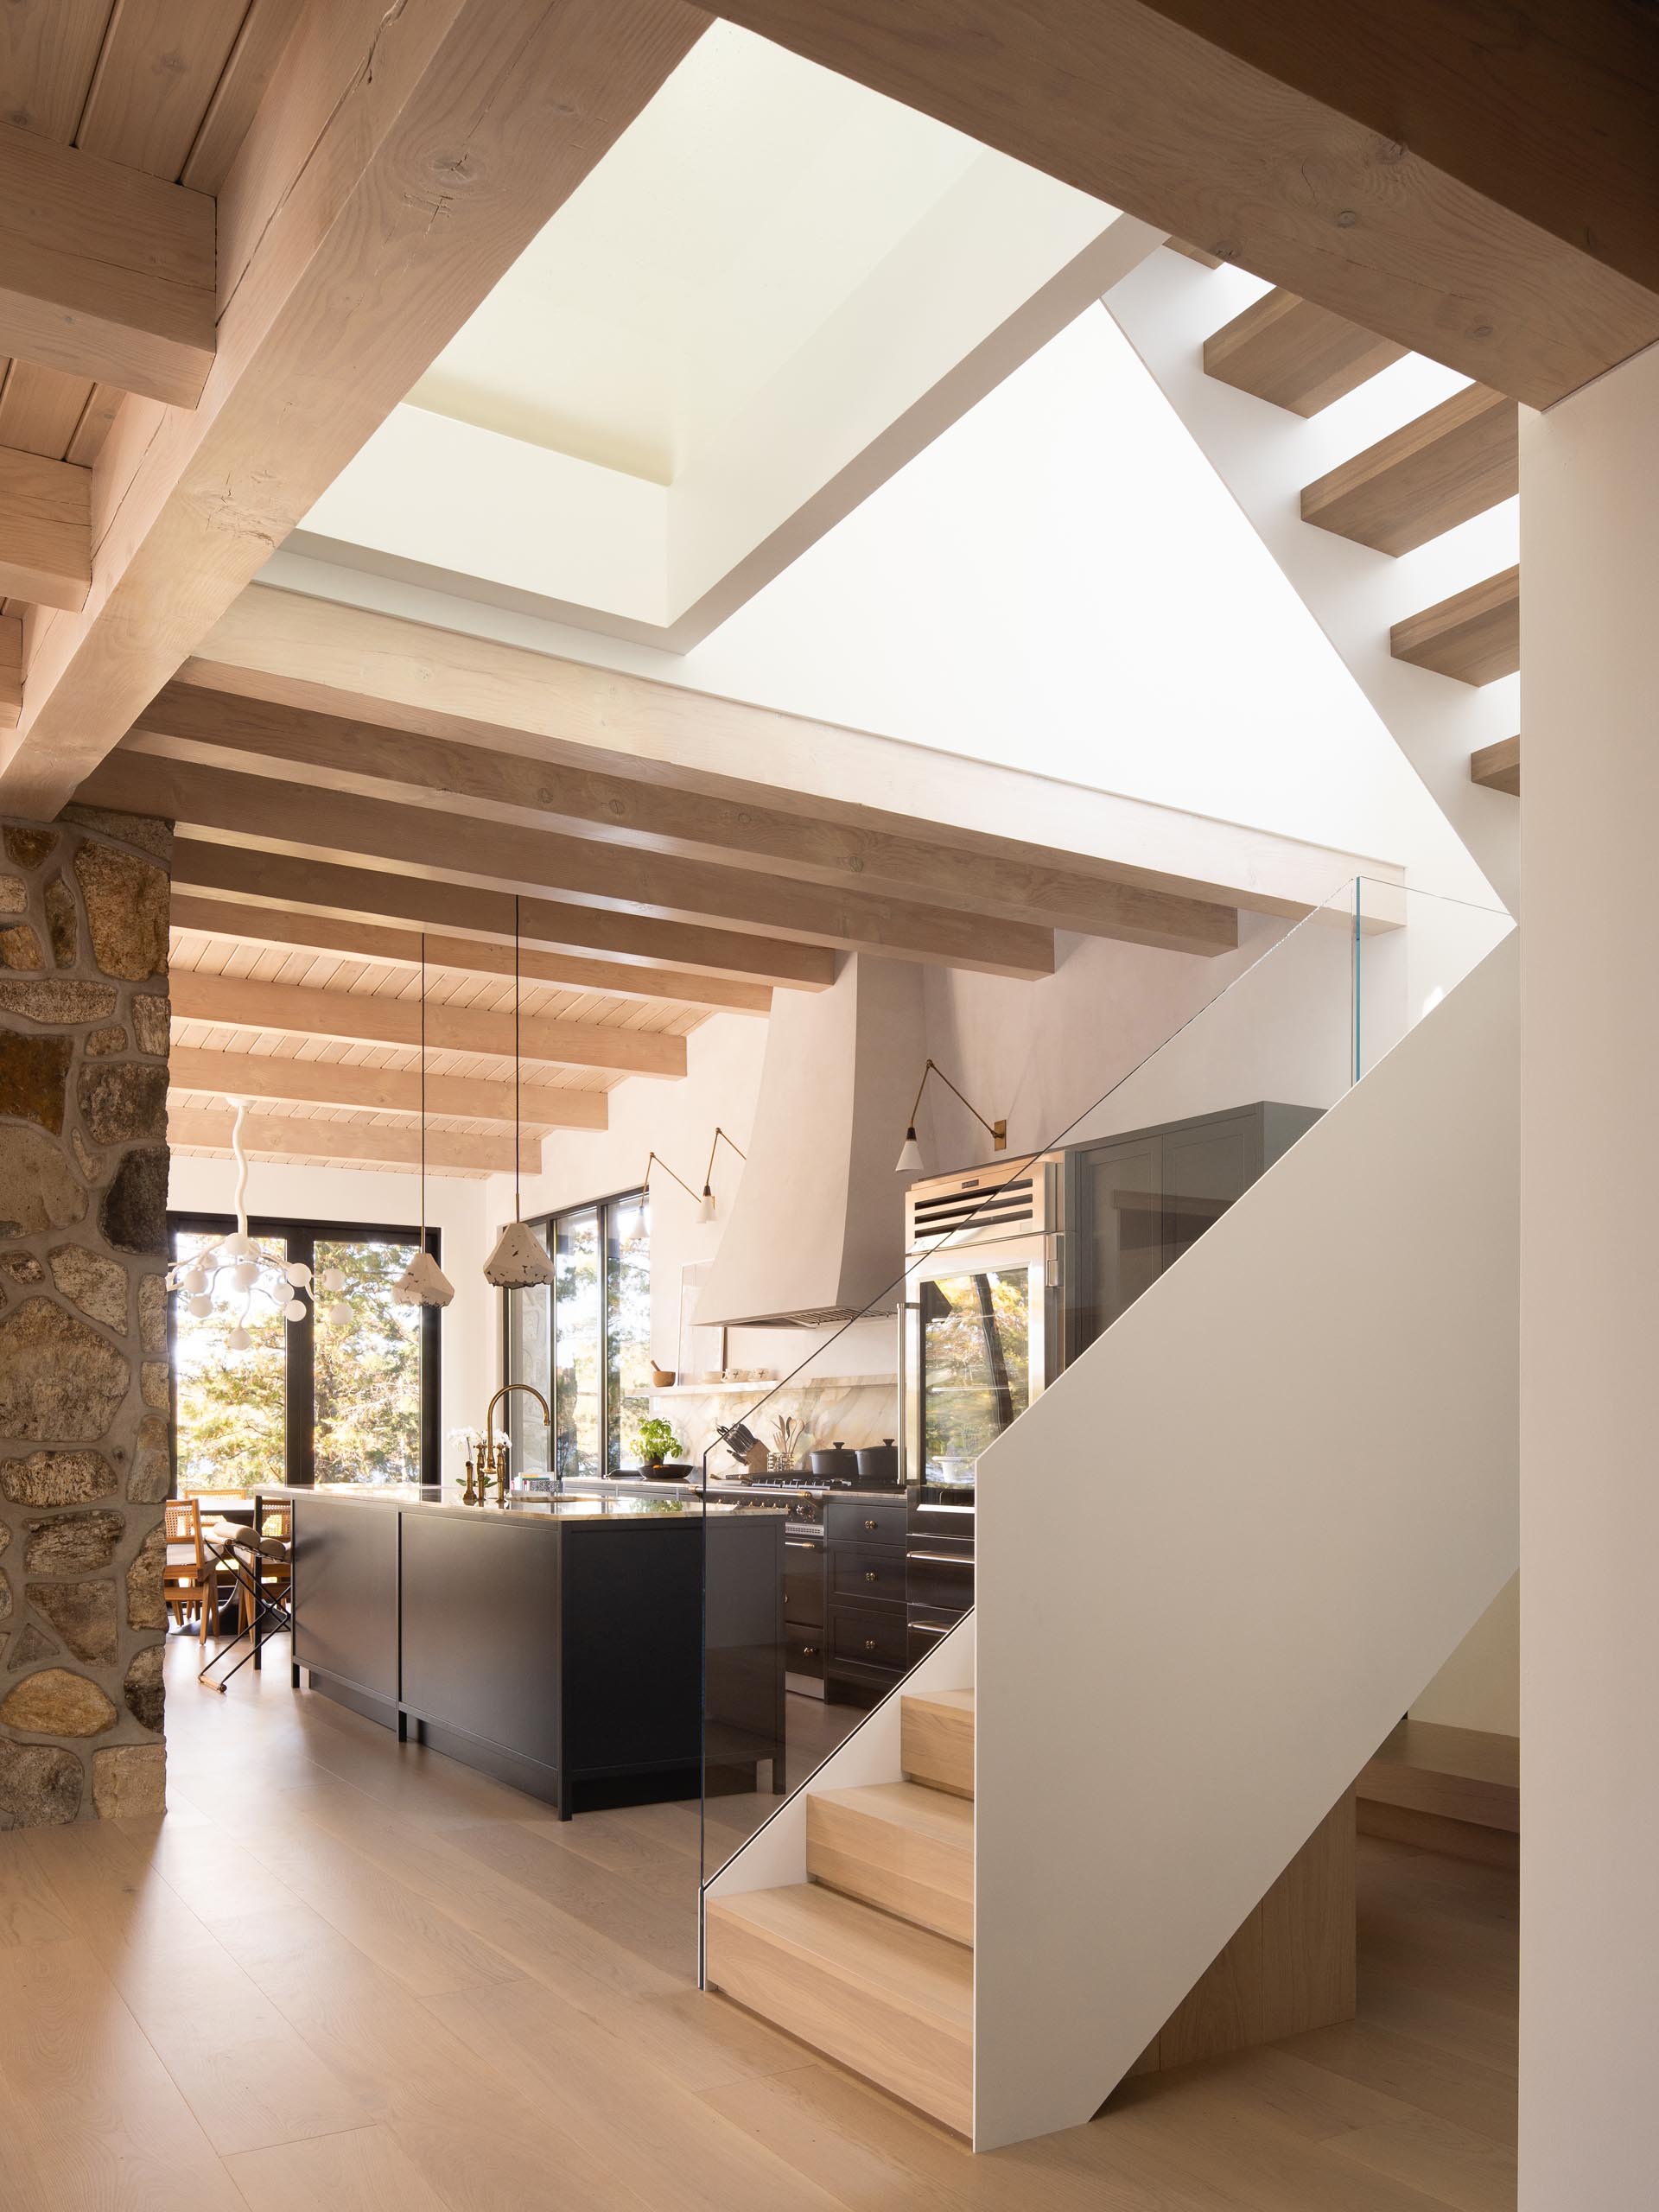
<point>232,1406</point>
<point>977,1362</point>
<point>656,1441</point>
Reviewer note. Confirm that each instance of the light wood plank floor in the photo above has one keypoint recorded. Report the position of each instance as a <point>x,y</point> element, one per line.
<point>347,1974</point>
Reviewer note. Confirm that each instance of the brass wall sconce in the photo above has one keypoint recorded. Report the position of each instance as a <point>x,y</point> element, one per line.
<point>705,1198</point>
<point>910,1157</point>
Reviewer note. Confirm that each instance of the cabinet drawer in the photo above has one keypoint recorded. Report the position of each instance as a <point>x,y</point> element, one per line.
<point>869,1639</point>
<point>867,1573</point>
<point>803,1651</point>
<point>865,1518</point>
<point>943,1579</point>
<point>802,1584</point>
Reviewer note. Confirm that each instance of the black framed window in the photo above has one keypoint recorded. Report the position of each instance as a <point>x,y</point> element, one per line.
<point>583,1341</point>
<point>302,1403</point>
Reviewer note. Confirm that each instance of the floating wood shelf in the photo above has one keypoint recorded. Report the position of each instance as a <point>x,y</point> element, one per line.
<point>1474,636</point>
<point>1426,478</point>
<point>1295,355</point>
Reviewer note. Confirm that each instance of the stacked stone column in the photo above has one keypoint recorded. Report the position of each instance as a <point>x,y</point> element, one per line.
<point>84,1398</point>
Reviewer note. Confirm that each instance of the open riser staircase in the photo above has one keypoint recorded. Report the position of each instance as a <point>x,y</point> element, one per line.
<point>1392,514</point>
<point>1108,1824</point>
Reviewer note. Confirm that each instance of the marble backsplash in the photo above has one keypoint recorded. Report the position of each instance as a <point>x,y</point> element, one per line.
<point>848,1409</point>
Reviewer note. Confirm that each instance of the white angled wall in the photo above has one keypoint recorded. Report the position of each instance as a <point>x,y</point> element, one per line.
<point>1590,1297</point>
<point>1226,1550</point>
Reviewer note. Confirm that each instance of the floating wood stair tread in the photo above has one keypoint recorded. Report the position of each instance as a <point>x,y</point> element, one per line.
<point>1460,1774</point>
<point>894,2002</point>
<point>908,1849</point>
<point>1286,350</point>
<point>1475,635</point>
<point>1427,477</point>
<point>1193,253</point>
<point>937,1740</point>
<point>1497,766</point>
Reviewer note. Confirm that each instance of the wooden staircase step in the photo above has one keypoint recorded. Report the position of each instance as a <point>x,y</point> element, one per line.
<point>1456,1790</point>
<point>1286,350</point>
<point>936,1740</point>
<point>899,1846</point>
<point>1498,767</point>
<point>1425,478</point>
<point>1194,253</point>
<point>1475,635</point>
<point>894,2003</point>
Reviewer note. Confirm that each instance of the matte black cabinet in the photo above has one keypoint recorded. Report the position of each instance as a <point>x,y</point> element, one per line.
<point>864,1589</point>
<point>803,1613</point>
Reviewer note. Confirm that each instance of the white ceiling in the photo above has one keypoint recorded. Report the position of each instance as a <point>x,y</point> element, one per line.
<point>748,201</point>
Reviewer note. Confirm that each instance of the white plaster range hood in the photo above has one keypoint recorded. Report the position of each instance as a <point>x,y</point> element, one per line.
<point>817,1231</point>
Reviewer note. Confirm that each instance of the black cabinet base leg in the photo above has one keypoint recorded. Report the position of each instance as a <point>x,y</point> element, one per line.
<point>403,1727</point>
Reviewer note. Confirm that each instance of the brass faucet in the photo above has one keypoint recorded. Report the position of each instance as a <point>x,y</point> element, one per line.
<point>492,1458</point>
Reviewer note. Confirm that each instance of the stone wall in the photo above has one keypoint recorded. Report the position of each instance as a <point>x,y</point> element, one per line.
<point>84,1400</point>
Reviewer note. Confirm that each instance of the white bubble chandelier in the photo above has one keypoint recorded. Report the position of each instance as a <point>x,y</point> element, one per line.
<point>232,1270</point>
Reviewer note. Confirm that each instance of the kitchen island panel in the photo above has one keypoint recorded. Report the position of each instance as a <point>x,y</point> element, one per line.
<point>345,1564</point>
<point>481,1631</point>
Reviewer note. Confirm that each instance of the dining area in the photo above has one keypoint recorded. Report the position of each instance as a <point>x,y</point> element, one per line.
<point>227,1576</point>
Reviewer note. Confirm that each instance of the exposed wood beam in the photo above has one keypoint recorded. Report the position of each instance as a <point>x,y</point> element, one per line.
<point>105,274</point>
<point>11,669</point>
<point>1296,355</point>
<point>46,529</point>
<point>349,661</point>
<point>399,163</point>
<point>1446,467</point>
<point>1474,636</point>
<point>381,1090</point>
<point>1381,166</point>
<point>884,852</point>
<point>290,1010</point>
<point>1498,767</point>
<point>284,879</point>
<point>432,836</point>
<point>288,1136</point>
<point>223,918</point>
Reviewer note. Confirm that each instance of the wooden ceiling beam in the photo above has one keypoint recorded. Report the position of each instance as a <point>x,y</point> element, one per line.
<point>46,529</point>
<point>288,880</point>
<point>381,1090</point>
<point>433,835</point>
<point>1492,203</point>
<point>361,1018</point>
<point>400,162</point>
<point>11,670</point>
<point>883,853</point>
<point>349,661</point>
<point>224,919</point>
<point>105,274</point>
<point>291,1136</point>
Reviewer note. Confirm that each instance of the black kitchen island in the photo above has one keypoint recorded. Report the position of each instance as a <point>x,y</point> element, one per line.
<point>558,1644</point>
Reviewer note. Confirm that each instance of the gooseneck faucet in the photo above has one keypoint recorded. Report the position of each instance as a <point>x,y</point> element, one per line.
<point>492,1459</point>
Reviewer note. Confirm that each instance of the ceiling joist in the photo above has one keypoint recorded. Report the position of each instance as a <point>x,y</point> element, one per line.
<point>879,853</point>
<point>105,273</point>
<point>229,920</point>
<point>46,531</point>
<point>288,880</point>
<point>382,1090</point>
<point>293,1136</point>
<point>402,159</point>
<point>291,1009</point>
<point>1489,201</point>
<point>433,835</point>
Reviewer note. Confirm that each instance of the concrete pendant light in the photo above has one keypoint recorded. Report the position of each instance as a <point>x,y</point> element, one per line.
<point>422,1282</point>
<point>518,1262</point>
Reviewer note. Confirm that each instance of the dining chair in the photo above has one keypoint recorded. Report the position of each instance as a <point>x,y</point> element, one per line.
<point>190,1576</point>
<point>276,1567</point>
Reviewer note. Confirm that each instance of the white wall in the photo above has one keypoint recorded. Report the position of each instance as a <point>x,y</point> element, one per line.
<point>467,1364</point>
<point>1479,1686</point>
<point>1590,1297</point>
<point>1061,582</point>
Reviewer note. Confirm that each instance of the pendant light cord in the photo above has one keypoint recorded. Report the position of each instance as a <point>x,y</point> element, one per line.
<point>517,1214</point>
<point>423,1091</point>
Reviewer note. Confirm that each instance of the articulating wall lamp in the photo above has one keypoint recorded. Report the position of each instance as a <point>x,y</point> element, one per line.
<point>910,1158</point>
<point>705,1199</point>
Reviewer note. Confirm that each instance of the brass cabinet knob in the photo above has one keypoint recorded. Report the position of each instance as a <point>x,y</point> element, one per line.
<point>870,1574</point>
<point>869,1643</point>
<point>809,1651</point>
<point>869,1525</point>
